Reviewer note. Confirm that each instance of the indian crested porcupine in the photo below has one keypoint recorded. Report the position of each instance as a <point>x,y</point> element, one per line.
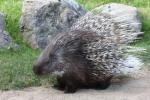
<point>82,57</point>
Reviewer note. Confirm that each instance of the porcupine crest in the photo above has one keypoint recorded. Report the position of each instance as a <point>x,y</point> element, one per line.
<point>104,53</point>
<point>112,44</point>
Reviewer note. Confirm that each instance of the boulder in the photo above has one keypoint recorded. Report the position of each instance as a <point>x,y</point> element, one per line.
<point>6,41</point>
<point>127,18</point>
<point>2,21</point>
<point>43,19</point>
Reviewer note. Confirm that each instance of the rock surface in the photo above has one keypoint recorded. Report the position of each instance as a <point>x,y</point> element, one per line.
<point>42,19</point>
<point>2,21</point>
<point>127,18</point>
<point>6,41</point>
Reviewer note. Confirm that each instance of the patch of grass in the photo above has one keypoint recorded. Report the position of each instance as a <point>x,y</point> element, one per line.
<point>16,66</point>
<point>145,42</point>
<point>145,16</point>
<point>16,69</point>
<point>12,10</point>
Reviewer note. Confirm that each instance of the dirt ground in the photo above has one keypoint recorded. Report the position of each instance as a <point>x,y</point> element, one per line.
<point>135,88</point>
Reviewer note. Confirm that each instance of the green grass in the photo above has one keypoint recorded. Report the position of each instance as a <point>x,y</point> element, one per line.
<point>12,10</point>
<point>16,66</point>
<point>16,70</point>
<point>145,16</point>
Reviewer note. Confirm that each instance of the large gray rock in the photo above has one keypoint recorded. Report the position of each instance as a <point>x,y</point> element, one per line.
<point>2,21</point>
<point>127,18</point>
<point>6,41</point>
<point>43,19</point>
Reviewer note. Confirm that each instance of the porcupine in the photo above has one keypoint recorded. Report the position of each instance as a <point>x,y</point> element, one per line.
<point>83,56</point>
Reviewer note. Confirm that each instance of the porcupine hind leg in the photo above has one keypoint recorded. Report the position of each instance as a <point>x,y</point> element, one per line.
<point>70,87</point>
<point>103,84</point>
<point>66,84</point>
<point>71,82</point>
<point>60,85</point>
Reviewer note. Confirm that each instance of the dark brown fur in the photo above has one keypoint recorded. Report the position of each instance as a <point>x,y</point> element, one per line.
<point>65,53</point>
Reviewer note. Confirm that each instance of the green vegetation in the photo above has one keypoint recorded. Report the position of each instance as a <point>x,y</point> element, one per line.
<point>16,69</point>
<point>16,66</point>
<point>12,10</point>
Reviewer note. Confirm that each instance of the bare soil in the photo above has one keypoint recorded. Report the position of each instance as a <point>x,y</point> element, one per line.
<point>136,87</point>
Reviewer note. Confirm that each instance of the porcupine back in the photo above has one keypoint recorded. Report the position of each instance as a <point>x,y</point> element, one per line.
<point>100,51</point>
<point>104,53</point>
<point>104,25</point>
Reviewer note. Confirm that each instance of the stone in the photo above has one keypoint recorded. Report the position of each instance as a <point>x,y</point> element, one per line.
<point>127,18</point>
<point>2,21</point>
<point>42,19</point>
<point>6,41</point>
